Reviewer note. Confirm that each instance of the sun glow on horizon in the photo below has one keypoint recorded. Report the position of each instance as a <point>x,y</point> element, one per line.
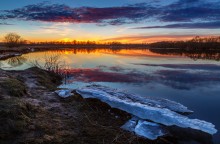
<point>65,40</point>
<point>124,40</point>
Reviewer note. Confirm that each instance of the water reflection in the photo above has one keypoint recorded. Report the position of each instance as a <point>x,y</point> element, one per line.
<point>99,75</point>
<point>169,74</point>
<point>177,79</point>
<point>186,80</point>
<point>87,50</point>
<point>193,54</point>
<point>116,51</point>
<point>210,67</point>
<point>16,61</point>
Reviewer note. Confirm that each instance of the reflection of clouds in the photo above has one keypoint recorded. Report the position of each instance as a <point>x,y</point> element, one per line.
<point>182,79</point>
<point>116,68</point>
<point>136,53</point>
<point>177,79</point>
<point>193,54</point>
<point>98,75</point>
<point>212,67</point>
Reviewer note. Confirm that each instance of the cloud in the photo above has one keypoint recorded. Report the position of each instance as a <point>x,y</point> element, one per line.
<point>149,38</point>
<point>190,10</point>
<point>61,29</point>
<point>205,25</point>
<point>180,11</point>
<point>63,13</point>
<point>6,24</point>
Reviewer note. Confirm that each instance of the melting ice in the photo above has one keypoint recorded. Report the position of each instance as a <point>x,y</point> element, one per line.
<point>161,111</point>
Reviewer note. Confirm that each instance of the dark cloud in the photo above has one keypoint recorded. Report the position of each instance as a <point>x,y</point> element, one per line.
<point>190,10</point>
<point>180,11</point>
<point>205,25</point>
<point>63,13</point>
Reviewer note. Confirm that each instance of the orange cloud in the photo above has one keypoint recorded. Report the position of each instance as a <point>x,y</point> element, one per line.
<point>150,39</point>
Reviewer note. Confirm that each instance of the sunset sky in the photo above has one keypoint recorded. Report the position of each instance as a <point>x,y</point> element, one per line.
<point>129,21</point>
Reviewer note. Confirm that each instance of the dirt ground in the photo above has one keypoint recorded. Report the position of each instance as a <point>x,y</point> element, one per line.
<point>30,112</point>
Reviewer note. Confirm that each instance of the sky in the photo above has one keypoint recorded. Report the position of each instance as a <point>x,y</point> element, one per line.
<point>127,21</point>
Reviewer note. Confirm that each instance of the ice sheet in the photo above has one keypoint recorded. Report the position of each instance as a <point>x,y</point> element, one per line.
<point>159,112</point>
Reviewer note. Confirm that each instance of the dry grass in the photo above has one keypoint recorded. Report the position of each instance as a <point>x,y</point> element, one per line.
<point>14,87</point>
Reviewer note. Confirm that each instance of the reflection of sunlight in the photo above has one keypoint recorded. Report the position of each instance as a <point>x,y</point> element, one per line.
<point>67,52</point>
<point>91,57</point>
<point>95,53</point>
<point>145,52</point>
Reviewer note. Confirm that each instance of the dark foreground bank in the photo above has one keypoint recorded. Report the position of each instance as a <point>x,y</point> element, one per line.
<point>30,112</point>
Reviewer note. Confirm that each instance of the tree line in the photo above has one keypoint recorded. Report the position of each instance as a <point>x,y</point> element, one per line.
<point>204,43</point>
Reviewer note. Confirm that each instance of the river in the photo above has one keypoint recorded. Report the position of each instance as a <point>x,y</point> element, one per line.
<point>190,79</point>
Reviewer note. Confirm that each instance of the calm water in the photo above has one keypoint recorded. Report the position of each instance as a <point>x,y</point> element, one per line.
<point>176,76</point>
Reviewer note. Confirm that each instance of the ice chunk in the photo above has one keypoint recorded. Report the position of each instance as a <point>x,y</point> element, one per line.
<point>150,101</point>
<point>149,130</point>
<point>64,93</point>
<point>145,129</point>
<point>130,125</point>
<point>162,114</point>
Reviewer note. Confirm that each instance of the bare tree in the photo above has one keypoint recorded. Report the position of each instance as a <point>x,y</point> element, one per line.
<point>13,40</point>
<point>51,63</point>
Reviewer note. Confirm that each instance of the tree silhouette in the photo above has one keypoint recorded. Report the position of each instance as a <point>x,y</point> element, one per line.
<point>13,40</point>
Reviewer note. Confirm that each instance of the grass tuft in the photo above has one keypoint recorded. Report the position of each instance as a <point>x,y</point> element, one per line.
<point>14,87</point>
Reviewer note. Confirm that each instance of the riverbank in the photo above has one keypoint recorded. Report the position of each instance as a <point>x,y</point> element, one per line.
<point>194,53</point>
<point>6,53</point>
<point>32,113</point>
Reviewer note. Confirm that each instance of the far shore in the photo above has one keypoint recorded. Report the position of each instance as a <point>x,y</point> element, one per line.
<point>200,44</point>
<point>6,52</point>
